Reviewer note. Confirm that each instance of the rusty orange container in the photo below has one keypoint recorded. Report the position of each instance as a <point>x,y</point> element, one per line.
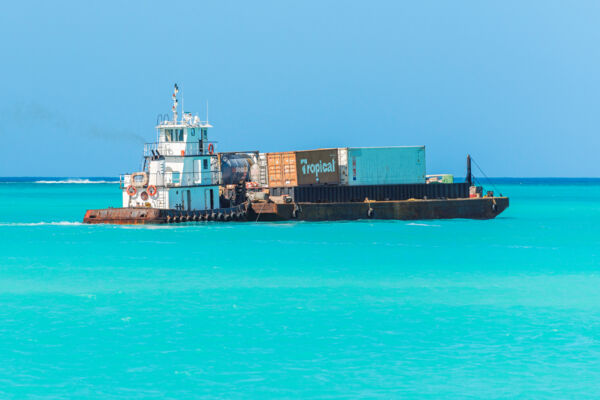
<point>282,169</point>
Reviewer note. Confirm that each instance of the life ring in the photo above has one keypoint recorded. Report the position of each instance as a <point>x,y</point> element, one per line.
<point>211,149</point>
<point>152,190</point>
<point>139,183</point>
<point>131,190</point>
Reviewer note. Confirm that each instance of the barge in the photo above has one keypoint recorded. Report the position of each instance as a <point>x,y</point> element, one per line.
<point>184,179</point>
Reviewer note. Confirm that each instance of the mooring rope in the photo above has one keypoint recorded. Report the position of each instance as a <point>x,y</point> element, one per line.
<point>258,216</point>
<point>486,177</point>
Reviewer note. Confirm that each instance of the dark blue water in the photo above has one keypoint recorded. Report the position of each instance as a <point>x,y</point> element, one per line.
<point>507,308</point>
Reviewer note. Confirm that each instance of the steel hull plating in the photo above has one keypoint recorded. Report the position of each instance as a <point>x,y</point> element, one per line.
<point>140,216</point>
<point>479,208</point>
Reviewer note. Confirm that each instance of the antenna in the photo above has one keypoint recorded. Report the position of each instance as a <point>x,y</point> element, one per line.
<point>207,112</point>
<point>175,91</point>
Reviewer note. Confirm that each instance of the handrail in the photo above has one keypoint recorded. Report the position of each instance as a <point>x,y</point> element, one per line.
<point>167,179</point>
<point>179,149</point>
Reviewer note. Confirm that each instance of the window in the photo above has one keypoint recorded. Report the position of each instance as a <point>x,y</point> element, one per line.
<point>205,164</point>
<point>173,135</point>
<point>176,177</point>
<point>193,131</point>
<point>204,133</point>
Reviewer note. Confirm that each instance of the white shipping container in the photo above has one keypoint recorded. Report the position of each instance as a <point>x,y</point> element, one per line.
<point>384,165</point>
<point>343,165</point>
<point>263,174</point>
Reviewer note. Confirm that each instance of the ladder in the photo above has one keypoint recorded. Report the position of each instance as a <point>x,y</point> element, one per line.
<point>161,201</point>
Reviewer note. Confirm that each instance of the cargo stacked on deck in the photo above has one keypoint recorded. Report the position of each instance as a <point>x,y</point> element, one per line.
<point>385,165</point>
<point>351,166</point>
<point>440,178</point>
<point>242,173</point>
<point>236,167</point>
<point>247,166</point>
<point>282,169</point>
<point>355,174</point>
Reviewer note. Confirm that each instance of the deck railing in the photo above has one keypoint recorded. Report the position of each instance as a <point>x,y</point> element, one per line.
<point>200,148</point>
<point>171,179</point>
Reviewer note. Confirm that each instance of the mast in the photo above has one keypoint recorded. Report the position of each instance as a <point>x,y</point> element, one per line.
<point>175,91</point>
<point>469,178</point>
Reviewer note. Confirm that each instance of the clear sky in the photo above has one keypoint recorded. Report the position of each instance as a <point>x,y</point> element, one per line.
<point>515,83</point>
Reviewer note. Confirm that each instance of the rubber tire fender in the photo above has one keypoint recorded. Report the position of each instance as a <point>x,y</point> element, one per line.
<point>370,212</point>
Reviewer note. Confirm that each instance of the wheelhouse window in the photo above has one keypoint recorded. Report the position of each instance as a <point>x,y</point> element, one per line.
<point>205,164</point>
<point>173,135</point>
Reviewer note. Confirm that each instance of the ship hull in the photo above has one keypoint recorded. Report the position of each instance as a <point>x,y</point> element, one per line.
<point>475,208</point>
<point>144,215</point>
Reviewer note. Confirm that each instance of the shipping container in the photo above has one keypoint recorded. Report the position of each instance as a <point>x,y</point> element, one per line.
<point>282,169</point>
<point>343,194</point>
<point>318,167</point>
<point>385,165</point>
<point>343,165</point>
<point>263,170</point>
<point>347,166</point>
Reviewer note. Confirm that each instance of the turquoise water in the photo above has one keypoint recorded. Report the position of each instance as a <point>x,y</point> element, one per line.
<point>507,308</point>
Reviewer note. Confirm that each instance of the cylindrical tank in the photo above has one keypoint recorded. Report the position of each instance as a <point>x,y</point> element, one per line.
<point>235,168</point>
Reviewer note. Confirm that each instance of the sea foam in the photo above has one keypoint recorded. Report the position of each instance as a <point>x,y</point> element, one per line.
<point>79,181</point>
<point>421,224</point>
<point>59,223</point>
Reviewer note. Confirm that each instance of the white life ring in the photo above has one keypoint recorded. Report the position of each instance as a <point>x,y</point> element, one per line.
<point>139,183</point>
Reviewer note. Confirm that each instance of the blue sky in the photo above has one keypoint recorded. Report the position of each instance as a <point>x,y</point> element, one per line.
<point>514,83</point>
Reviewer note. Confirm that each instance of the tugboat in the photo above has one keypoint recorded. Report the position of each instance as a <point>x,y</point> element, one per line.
<point>180,178</point>
<point>184,179</point>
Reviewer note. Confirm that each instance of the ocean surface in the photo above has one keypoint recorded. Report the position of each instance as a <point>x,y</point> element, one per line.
<point>506,308</point>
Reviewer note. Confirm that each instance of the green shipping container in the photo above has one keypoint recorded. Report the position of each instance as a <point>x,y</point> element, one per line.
<point>385,165</point>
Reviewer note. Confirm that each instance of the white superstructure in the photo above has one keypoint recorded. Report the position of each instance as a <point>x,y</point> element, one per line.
<point>181,170</point>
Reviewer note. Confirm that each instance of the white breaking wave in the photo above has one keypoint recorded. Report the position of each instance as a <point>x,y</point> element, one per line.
<point>76,181</point>
<point>417,224</point>
<point>61,223</point>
